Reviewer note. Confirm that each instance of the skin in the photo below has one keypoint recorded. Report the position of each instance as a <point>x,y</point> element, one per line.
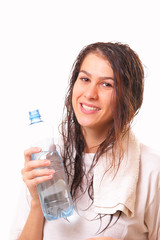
<point>91,100</point>
<point>102,238</point>
<point>92,94</point>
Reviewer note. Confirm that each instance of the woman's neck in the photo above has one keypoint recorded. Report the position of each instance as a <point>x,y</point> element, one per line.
<point>93,139</point>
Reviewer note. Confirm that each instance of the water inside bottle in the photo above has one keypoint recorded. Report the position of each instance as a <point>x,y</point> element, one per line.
<point>58,203</point>
<point>57,207</point>
<point>54,194</point>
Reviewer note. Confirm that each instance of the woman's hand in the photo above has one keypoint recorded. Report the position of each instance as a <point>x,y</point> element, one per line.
<point>33,176</point>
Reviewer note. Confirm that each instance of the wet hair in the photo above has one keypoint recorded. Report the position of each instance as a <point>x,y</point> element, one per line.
<point>127,99</point>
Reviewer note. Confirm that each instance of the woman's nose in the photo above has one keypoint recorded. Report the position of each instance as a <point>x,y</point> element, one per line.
<point>91,92</point>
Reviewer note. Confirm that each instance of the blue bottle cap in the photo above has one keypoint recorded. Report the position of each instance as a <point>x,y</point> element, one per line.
<point>34,116</point>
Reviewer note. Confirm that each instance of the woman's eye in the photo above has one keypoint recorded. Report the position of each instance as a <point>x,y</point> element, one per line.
<point>84,79</point>
<point>106,84</point>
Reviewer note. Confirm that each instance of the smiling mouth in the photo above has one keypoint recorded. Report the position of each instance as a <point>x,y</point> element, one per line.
<point>88,108</point>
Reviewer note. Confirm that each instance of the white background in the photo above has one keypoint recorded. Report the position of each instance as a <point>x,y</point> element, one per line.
<point>39,41</point>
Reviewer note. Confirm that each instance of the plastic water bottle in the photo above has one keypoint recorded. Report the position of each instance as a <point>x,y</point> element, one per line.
<point>54,194</point>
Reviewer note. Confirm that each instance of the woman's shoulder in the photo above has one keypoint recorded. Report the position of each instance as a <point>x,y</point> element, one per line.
<point>150,158</point>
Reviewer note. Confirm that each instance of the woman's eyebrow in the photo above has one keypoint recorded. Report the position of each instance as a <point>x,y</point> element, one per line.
<point>89,74</point>
<point>85,72</point>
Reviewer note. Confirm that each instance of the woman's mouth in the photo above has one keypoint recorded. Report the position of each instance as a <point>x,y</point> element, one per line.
<point>89,108</point>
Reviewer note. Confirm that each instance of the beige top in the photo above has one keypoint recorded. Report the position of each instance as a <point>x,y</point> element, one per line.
<point>142,224</point>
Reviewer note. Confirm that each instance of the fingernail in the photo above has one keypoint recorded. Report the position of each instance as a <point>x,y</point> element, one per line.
<point>38,149</point>
<point>47,162</point>
<point>50,176</point>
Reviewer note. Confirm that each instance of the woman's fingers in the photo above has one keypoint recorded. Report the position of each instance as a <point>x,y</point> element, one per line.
<point>30,151</point>
<point>37,168</point>
<point>102,238</point>
<point>36,164</point>
<point>32,183</point>
<point>37,173</point>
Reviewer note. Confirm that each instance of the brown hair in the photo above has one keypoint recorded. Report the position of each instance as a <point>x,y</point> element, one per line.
<point>128,94</point>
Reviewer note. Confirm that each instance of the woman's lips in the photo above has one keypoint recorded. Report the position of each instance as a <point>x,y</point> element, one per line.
<point>89,108</point>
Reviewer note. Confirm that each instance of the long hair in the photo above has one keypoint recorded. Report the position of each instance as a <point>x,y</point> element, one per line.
<point>128,96</point>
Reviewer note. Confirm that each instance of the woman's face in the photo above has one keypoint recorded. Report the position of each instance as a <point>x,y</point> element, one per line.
<point>92,93</point>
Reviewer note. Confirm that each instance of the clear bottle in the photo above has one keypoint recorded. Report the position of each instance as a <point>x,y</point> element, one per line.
<point>54,194</point>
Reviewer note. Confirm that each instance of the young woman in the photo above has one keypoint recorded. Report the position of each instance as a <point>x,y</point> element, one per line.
<point>114,179</point>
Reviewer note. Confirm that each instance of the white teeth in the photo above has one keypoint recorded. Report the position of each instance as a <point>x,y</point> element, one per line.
<point>89,108</point>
